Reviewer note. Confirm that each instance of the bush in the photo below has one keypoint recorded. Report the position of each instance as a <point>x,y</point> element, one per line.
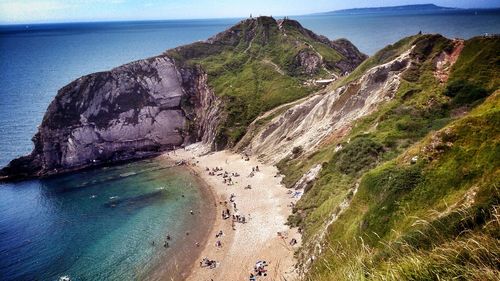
<point>358,155</point>
<point>463,93</point>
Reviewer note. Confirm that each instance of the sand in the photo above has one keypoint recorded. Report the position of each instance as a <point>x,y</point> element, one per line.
<point>266,207</point>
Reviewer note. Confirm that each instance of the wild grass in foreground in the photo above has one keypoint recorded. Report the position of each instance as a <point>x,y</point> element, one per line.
<point>472,255</point>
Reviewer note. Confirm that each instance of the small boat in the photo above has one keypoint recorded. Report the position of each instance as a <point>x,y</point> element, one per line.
<point>64,278</point>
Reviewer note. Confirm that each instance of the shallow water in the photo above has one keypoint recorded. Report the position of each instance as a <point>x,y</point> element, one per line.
<point>95,225</point>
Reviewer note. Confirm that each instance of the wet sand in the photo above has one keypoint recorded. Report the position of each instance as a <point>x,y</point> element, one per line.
<point>265,206</point>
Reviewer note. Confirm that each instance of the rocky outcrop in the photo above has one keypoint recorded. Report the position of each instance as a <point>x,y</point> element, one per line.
<point>149,106</point>
<point>308,123</point>
<point>351,57</point>
<point>133,111</point>
<point>306,181</point>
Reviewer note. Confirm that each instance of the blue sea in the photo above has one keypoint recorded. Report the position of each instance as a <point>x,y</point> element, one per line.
<point>100,224</point>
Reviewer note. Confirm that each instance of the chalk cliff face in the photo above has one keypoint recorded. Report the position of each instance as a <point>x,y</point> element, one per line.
<point>145,107</point>
<point>331,114</point>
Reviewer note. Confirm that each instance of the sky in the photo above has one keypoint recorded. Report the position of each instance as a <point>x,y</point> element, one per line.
<point>36,11</point>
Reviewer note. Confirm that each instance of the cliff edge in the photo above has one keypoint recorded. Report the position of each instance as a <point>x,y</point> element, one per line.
<point>188,94</point>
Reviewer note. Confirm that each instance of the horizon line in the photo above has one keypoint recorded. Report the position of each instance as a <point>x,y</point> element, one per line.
<point>218,18</point>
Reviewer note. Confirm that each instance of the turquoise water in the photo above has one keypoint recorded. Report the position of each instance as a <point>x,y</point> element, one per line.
<point>95,225</point>
<point>67,225</point>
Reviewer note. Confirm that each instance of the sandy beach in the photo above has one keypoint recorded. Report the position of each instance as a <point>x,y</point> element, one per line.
<point>265,207</point>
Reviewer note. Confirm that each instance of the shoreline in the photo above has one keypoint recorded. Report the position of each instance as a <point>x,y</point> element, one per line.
<point>266,207</point>
<point>205,217</point>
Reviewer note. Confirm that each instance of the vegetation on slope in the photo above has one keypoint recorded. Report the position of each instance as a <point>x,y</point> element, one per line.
<point>435,218</point>
<point>261,63</point>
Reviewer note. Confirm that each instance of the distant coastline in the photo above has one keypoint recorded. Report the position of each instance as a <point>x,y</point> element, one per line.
<point>405,9</point>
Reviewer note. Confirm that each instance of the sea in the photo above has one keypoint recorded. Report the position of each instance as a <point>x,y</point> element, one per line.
<point>101,224</point>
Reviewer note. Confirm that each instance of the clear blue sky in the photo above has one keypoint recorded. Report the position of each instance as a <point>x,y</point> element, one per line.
<point>30,11</point>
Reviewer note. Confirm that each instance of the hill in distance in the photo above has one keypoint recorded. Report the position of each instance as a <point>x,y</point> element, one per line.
<point>387,9</point>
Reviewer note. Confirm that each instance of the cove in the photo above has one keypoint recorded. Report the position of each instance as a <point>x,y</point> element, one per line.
<point>108,223</point>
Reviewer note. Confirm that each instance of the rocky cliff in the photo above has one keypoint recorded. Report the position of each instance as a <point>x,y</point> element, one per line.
<point>327,114</point>
<point>398,163</point>
<point>180,97</point>
<point>132,111</point>
<point>261,63</point>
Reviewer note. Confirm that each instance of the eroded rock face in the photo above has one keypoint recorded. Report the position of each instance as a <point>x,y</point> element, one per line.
<point>132,111</point>
<point>152,105</point>
<point>309,61</point>
<point>309,122</point>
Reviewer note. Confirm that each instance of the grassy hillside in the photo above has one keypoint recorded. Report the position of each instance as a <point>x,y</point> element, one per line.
<point>261,63</point>
<point>430,218</point>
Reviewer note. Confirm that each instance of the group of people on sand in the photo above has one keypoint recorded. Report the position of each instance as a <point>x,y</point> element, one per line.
<point>284,235</point>
<point>206,262</point>
<point>259,270</point>
<point>227,180</point>
<point>239,218</point>
<point>226,214</point>
<point>213,171</point>
<point>254,170</point>
<point>226,176</point>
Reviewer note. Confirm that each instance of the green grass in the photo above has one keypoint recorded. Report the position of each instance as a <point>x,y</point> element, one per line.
<point>434,219</point>
<point>385,55</point>
<point>392,230</point>
<point>475,74</point>
<point>254,68</point>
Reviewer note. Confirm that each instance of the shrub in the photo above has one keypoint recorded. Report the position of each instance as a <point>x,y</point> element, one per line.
<point>358,155</point>
<point>463,93</point>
